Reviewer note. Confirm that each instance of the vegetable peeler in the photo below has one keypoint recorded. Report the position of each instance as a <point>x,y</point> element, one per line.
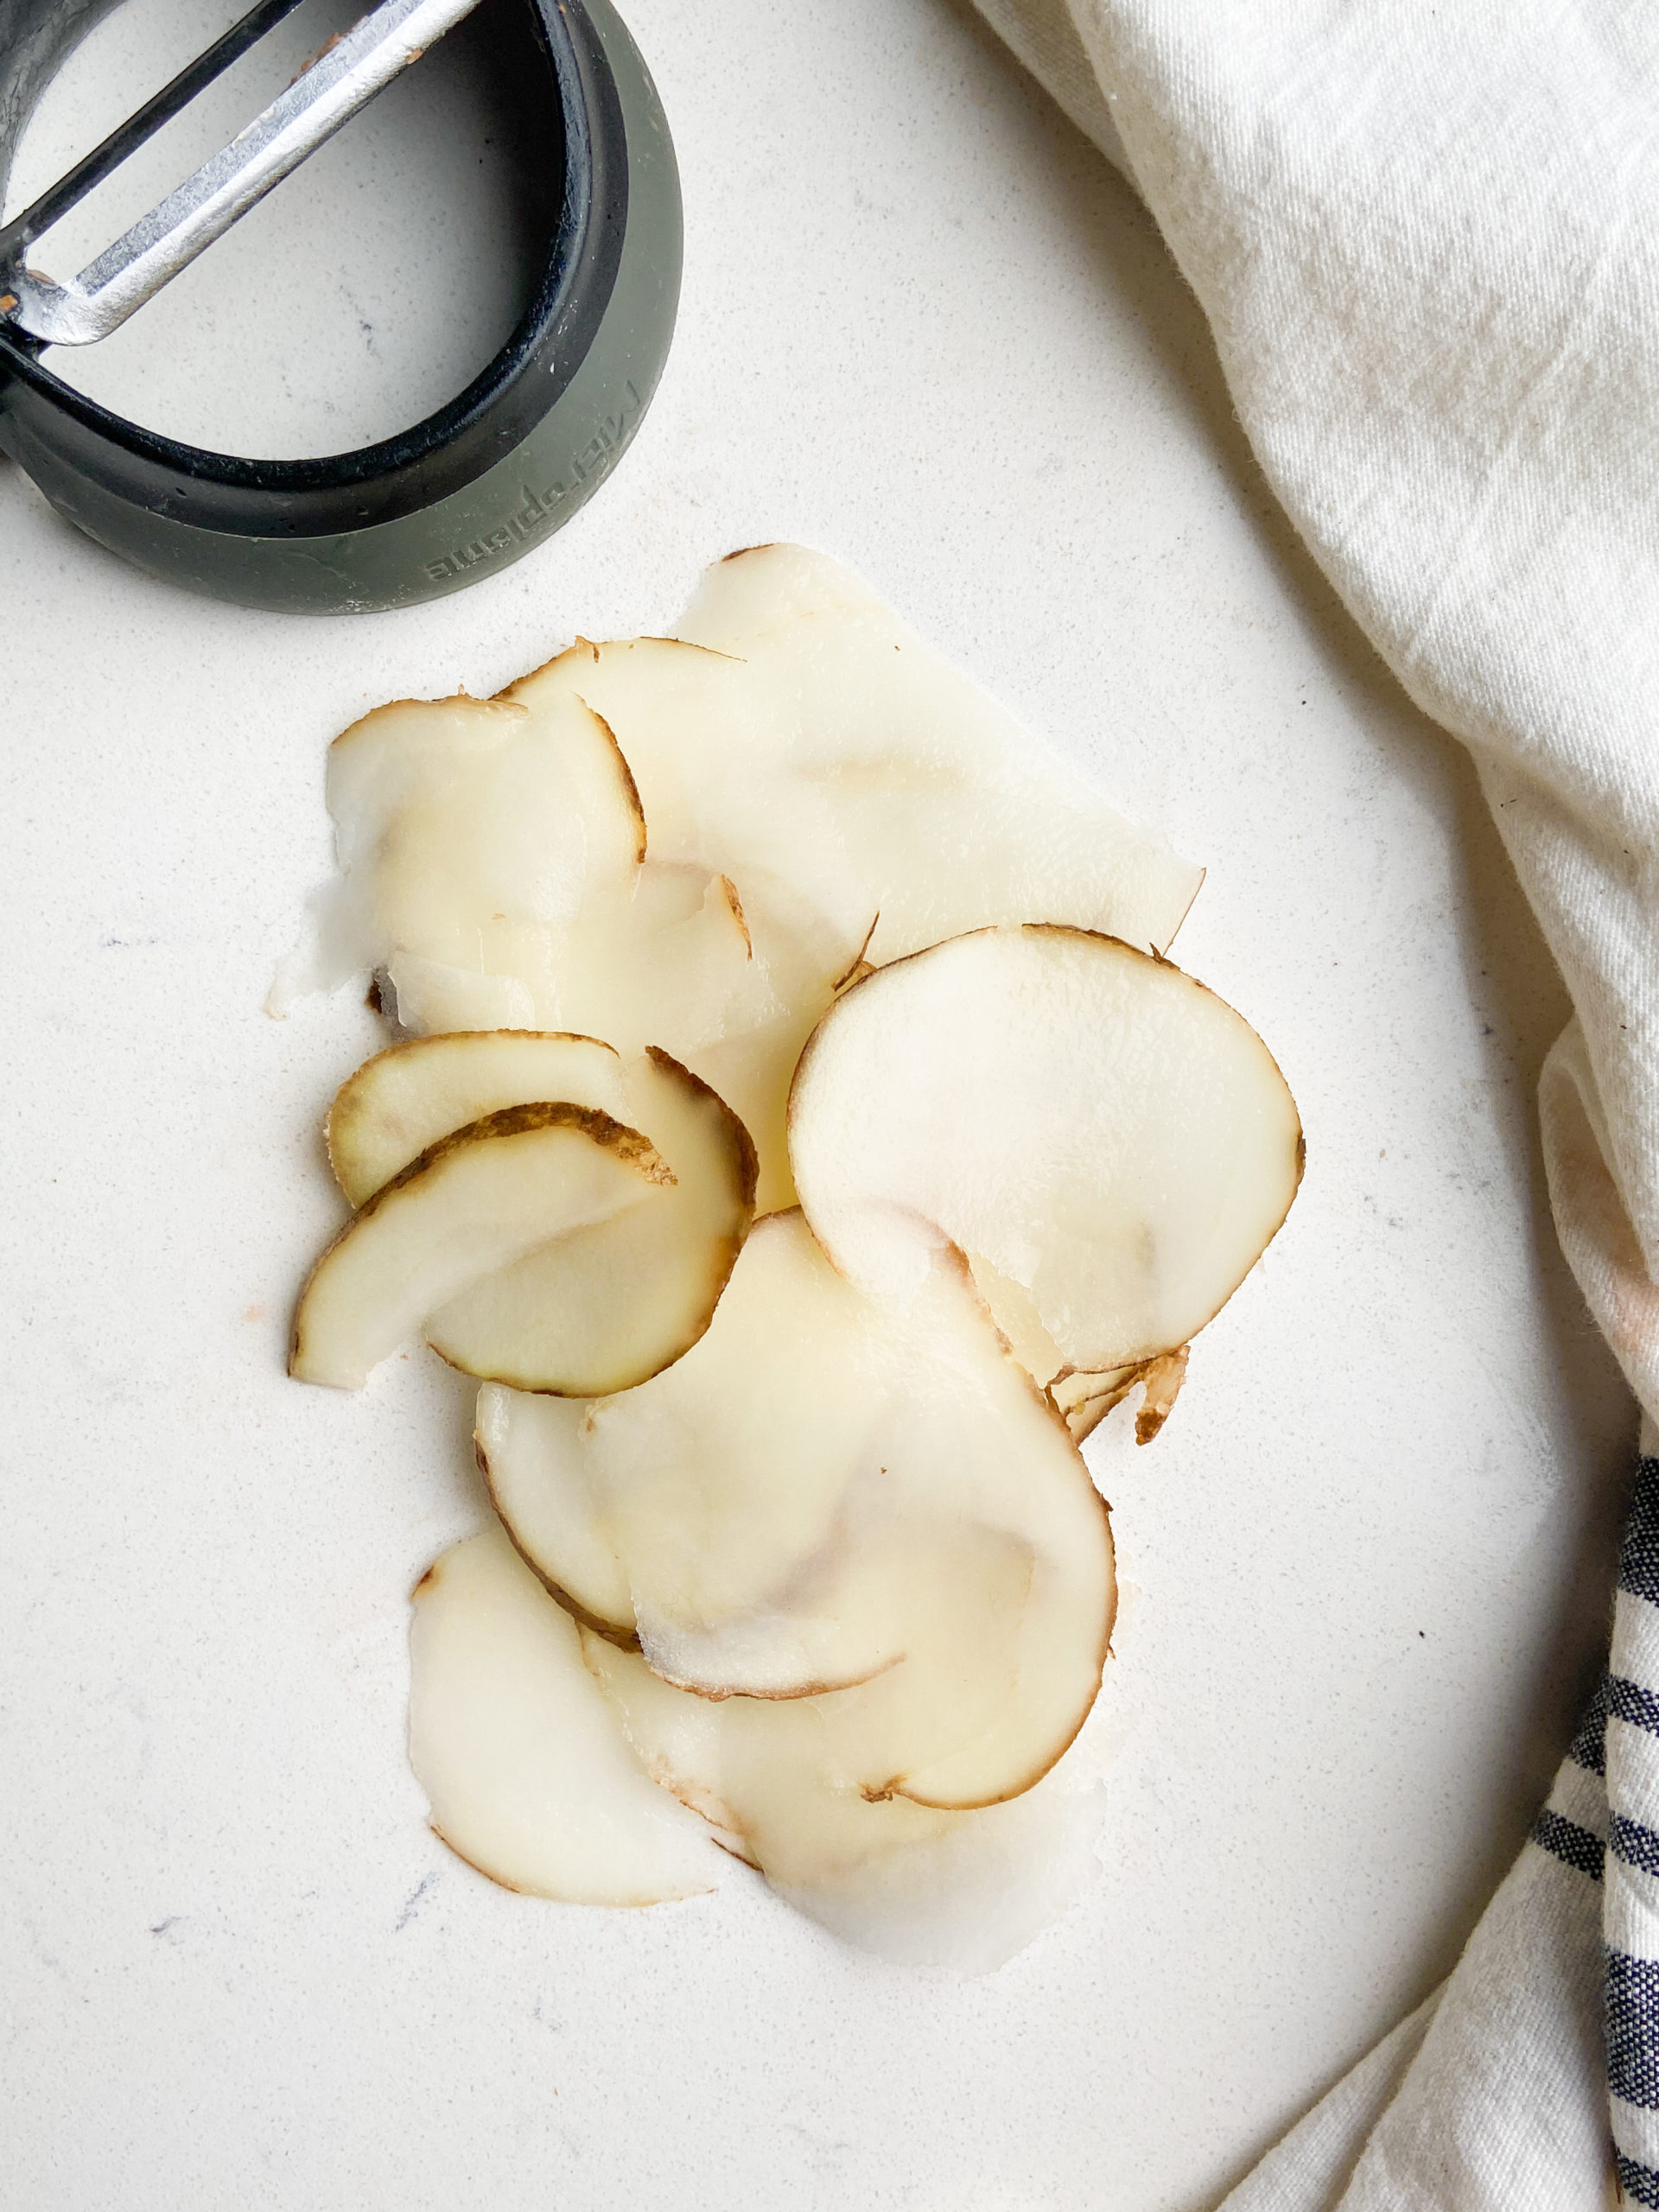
<point>461,494</point>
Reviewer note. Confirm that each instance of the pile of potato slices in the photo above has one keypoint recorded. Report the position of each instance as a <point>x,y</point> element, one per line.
<point>796,1128</point>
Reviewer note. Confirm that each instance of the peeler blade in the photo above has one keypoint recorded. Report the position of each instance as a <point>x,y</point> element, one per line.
<point>344,77</point>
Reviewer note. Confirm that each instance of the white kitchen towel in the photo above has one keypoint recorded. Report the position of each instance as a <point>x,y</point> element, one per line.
<point>1426,239</point>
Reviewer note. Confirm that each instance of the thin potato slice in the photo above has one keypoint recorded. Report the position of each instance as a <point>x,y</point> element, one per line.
<point>796,728</point>
<point>407,1098</point>
<point>951,813</point>
<point>718,1488</point>
<point>526,1771</point>
<point>529,1452</point>
<point>962,1889</point>
<point>606,1307</point>
<point>494,875</point>
<point>824,1492</point>
<point>1112,1138</point>
<point>466,829</point>
<point>469,1204</point>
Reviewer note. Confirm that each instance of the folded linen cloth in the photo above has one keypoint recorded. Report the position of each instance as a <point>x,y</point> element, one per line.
<point>1426,239</point>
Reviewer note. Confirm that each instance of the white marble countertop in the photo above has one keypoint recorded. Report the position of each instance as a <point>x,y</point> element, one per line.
<point>925,328</point>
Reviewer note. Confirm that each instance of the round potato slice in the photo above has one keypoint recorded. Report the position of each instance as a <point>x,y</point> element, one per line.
<point>608,1306</point>
<point>468,1205</point>
<point>493,874</point>
<point>825,1491</point>
<point>406,1098</point>
<point>717,1489</point>
<point>468,828</point>
<point>520,1756</point>
<point>962,1890</point>
<point>796,726</point>
<point>722,1482</point>
<point>1114,1140</point>
<point>530,1454</point>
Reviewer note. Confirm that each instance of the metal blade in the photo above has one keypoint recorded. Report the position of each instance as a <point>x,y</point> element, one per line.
<point>342,78</point>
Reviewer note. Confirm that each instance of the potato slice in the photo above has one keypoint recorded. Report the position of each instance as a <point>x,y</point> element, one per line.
<point>910,1883</point>
<point>468,828</point>
<point>797,728</point>
<point>406,1098</point>
<point>494,875</point>
<point>826,1491</point>
<point>952,815</point>
<point>526,1771</point>
<point>530,1454</point>
<point>714,1484</point>
<point>606,1307</point>
<point>469,1204</point>
<point>719,1483</point>
<point>1109,1136</point>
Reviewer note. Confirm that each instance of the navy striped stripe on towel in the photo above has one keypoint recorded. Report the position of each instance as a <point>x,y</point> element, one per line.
<point>1573,1824</point>
<point>1631,1906</point>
